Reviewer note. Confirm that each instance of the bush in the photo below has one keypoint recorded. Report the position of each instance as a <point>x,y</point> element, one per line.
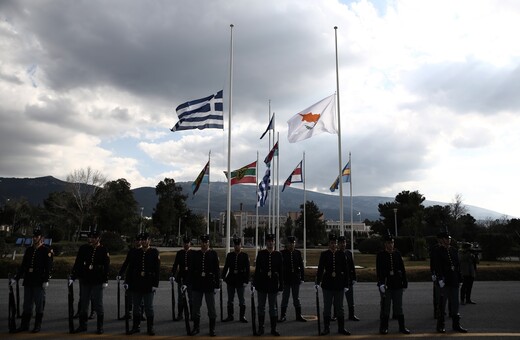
<point>495,245</point>
<point>370,246</point>
<point>113,242</point>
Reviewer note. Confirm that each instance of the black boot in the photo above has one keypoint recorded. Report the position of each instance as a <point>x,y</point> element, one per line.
<point>261,320</point>
<point>243,314</point>
<point>92,315</point>
<point>274,320</point>
<point>136,325</point>
<point>82,324</point>
<point>326,325</point>
<point>196,326</point>
<point>230,311</point>
<point>283,315</point>
<point>180,316</point>
<point>37,322</point>
<point>440,323</point>
<point>341,327</point>
<point>149,325</point>
<point>100,321</point>
<point>456,324</point>
<point>299,316</point>
<point>351,315</point>
<point>24,325</point>
<point>383,325</point>
<point>402,327</point>
<point>212,323</point>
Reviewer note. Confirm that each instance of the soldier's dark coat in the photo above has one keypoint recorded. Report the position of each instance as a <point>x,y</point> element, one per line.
<point>36,267</point>
<point>144,270</point>
<point>351,267</point>
<point>124,266</point>
<point>446,265</point>
<point>293,269</point>
<point>181,266</point>
<point>332,270</point>
<point>390,270</point>
<point>268,276</point>
<point>236,269</point>
<point>92,264</point>
<point>204,273</point>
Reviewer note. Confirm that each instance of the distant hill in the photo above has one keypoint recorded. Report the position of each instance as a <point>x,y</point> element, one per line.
<point>35,190</point>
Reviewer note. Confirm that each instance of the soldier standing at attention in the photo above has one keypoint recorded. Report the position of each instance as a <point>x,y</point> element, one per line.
<point>123,271</point>
<point>143,280</point>
<point>293,276</point>
<point>179,273</point>
<point>332,276</point>
<point>204,279</point>
<point>352,278</point>
<point>91,268</point>
<point>468,268</point>
<point>268,281</point>
<point>392,281</point>
<point>236,274</point>
<point>36,271</point>
<point>445,261</point>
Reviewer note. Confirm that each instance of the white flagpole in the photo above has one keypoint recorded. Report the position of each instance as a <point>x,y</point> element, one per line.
<point>277,193</point>
<point>304,214</point>
<point>269,184</point>
<point>209,183</point>
<point>339,140</point>
<point>256,229</point>
<point>351,210</point>
<point>228,216</point>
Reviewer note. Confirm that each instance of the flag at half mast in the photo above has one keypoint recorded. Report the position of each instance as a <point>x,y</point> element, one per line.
<point>204,113</point>
<point>203,177</point>
<point>313,120</point>
<point>345,177</point>
<point>244,175</point>
<point>271,154</point>
<point>295,177</point>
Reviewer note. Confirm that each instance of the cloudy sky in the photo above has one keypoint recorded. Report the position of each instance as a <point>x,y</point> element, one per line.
<point>428,90</point>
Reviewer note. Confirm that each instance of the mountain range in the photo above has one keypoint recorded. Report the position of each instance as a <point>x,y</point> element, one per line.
<point>36,190</point>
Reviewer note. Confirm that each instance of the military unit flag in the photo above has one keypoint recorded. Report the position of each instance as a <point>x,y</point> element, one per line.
<point>271,154</point>
<point>345,177</point>
<point>295,177</point>
<point>205,113</point>
<point>246,174</point>
<point>314,120</point>
<point>203,177</point>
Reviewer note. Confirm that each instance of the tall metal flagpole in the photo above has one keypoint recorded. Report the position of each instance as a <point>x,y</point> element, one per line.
<point>256,229</point>
<point>277,193</point>
<point>228,215</point>
<point>304,214</point>
<point>269,184</point>
<point>339,139</point>
<point>209,183</point>
<point>351,210</point>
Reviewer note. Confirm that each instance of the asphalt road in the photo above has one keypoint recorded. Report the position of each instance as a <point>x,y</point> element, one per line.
<point>496,315</point>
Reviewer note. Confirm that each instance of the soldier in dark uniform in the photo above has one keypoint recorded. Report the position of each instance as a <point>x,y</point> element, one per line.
<point>268,281</point>
<point>392,281</point>
<point>352,278</point>
<point>179,273</point>
<point>122,274</point>
<point>445,262</point>
<point>91,268</point>
<point>293,277</point>
<point>204,279</point>
<point>332,276</point>
<point>143,280</point>
<point>236,274</point>
<point>434,276</point>
<point>36,269</point>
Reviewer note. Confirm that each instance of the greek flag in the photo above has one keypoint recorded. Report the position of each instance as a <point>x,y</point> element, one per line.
<point>263,188</point>
<point>205,113</point>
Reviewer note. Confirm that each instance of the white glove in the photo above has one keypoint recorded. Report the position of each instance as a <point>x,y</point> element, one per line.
<point>354,282</point>
<point>105,285</point>
<point>118,278</point>
<point>382,289</point>
<point>154,289</point>
<point>183,288</point>
<point>45,285</point>
<point>172,279</point>
<point>434,277</point>
<point>252,288</point>
<point>441,283</point>
<point>71,281</point>
<point>12,282</point>
<point>316,287</point>
<point>345,290</point>
<point>125,285</point>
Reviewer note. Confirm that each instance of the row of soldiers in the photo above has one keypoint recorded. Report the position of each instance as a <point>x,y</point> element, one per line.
<point>198,275</point>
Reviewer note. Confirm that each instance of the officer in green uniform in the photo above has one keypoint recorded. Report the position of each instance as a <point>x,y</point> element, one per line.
<point>179,273</point>
<point>91,268</point>
<point>236,275</point>
<point>204,279</point>
<point>36,269</point>
<point>293,277</point>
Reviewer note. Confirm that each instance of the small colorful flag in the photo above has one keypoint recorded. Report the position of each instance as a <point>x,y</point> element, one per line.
<point>271,154</point>
<point>295,177</point>
<point>345,177</point>
<point>205,113</point>
<point>203,177</point>
<point>246,174</point>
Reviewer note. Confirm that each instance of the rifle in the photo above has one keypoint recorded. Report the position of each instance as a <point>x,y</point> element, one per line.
<point>186,311</point>
<point>318,310</point>
<point>18,299</point>
<point>253,309</point>
<point>127,311</point>
<point>12,307</point>
<point>221,305</point>
<point>118,298</point>
<point>173,301</point>
<point>70,298</point>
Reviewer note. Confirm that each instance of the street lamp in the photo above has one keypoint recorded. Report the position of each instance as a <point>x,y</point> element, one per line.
<point>395,221</point>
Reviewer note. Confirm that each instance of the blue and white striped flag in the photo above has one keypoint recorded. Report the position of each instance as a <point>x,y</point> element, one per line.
<point>263,188</point>
<point>205,113</point>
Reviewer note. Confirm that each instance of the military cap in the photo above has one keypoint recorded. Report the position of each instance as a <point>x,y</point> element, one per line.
<point>237,240</point>
<point>291,239</point>
<point>333,237</point>
<point>94,234</point>
<point>269,237</point>
<point>186,239</point>
<point>388,237</point>
<point>204,237</point>
<point>342,238</point>
<point>37,232</point>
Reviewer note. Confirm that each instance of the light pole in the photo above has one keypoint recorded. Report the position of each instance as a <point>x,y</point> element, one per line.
<point>395,221</point>
<point>141,221</point>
